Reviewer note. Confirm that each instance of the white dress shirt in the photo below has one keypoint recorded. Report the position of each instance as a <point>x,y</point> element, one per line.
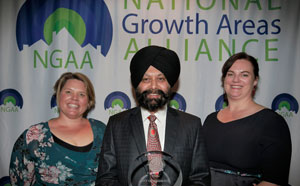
<point>160,121</point>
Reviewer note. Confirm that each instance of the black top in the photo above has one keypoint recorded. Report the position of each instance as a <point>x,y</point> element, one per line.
<point>85,148</point>
<point>259,143</point>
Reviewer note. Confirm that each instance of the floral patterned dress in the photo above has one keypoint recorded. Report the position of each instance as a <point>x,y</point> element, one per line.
<point>37,160</point>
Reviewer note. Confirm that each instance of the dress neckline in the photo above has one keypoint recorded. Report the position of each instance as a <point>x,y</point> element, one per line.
<point>69,146</point>
<point>59,141</point>
<point>251,115</point>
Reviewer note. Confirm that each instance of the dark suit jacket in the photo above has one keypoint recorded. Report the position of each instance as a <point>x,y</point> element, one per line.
<point>124,141</point>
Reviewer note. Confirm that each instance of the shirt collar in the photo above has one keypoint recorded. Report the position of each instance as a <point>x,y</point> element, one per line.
<point>161,113</point>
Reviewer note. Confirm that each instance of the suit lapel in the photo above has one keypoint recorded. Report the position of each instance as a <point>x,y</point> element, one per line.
<point>171,136</point>
<point>172,130</point>
<point>172,122</point>
<point>137,129</point>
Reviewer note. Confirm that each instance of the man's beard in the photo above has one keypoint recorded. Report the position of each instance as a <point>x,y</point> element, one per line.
<point>152,104</point>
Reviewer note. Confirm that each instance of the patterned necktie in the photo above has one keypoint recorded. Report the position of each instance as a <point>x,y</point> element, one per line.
<point>153,144</point>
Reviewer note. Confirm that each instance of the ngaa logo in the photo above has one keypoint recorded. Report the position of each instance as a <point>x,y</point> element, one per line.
<point>5,181</point>
<point>10,100</point>
<point>178,102</point>
<point>87,22</point>
<point>53,104</point>
<point>220,103</point>
<point>117,102</point>
<point>285,104</point>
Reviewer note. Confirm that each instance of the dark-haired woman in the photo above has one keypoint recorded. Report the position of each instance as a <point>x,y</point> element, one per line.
<point>247,143</point>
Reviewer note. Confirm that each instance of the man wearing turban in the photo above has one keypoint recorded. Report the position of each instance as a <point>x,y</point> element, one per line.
<point>154,71</point>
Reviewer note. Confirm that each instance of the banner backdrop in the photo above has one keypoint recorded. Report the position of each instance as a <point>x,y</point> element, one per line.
<point>42,39</point>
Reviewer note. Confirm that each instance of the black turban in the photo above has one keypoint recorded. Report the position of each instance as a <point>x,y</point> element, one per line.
<point>161,58</point>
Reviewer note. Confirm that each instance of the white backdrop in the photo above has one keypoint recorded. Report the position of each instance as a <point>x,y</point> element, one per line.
<point>42,39</point>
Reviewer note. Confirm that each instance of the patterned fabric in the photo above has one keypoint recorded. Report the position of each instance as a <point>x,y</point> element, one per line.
<point>153,144</point>
<point>37,160</point>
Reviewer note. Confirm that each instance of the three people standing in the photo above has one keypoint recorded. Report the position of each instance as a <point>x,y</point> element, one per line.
<point>242,144</point>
